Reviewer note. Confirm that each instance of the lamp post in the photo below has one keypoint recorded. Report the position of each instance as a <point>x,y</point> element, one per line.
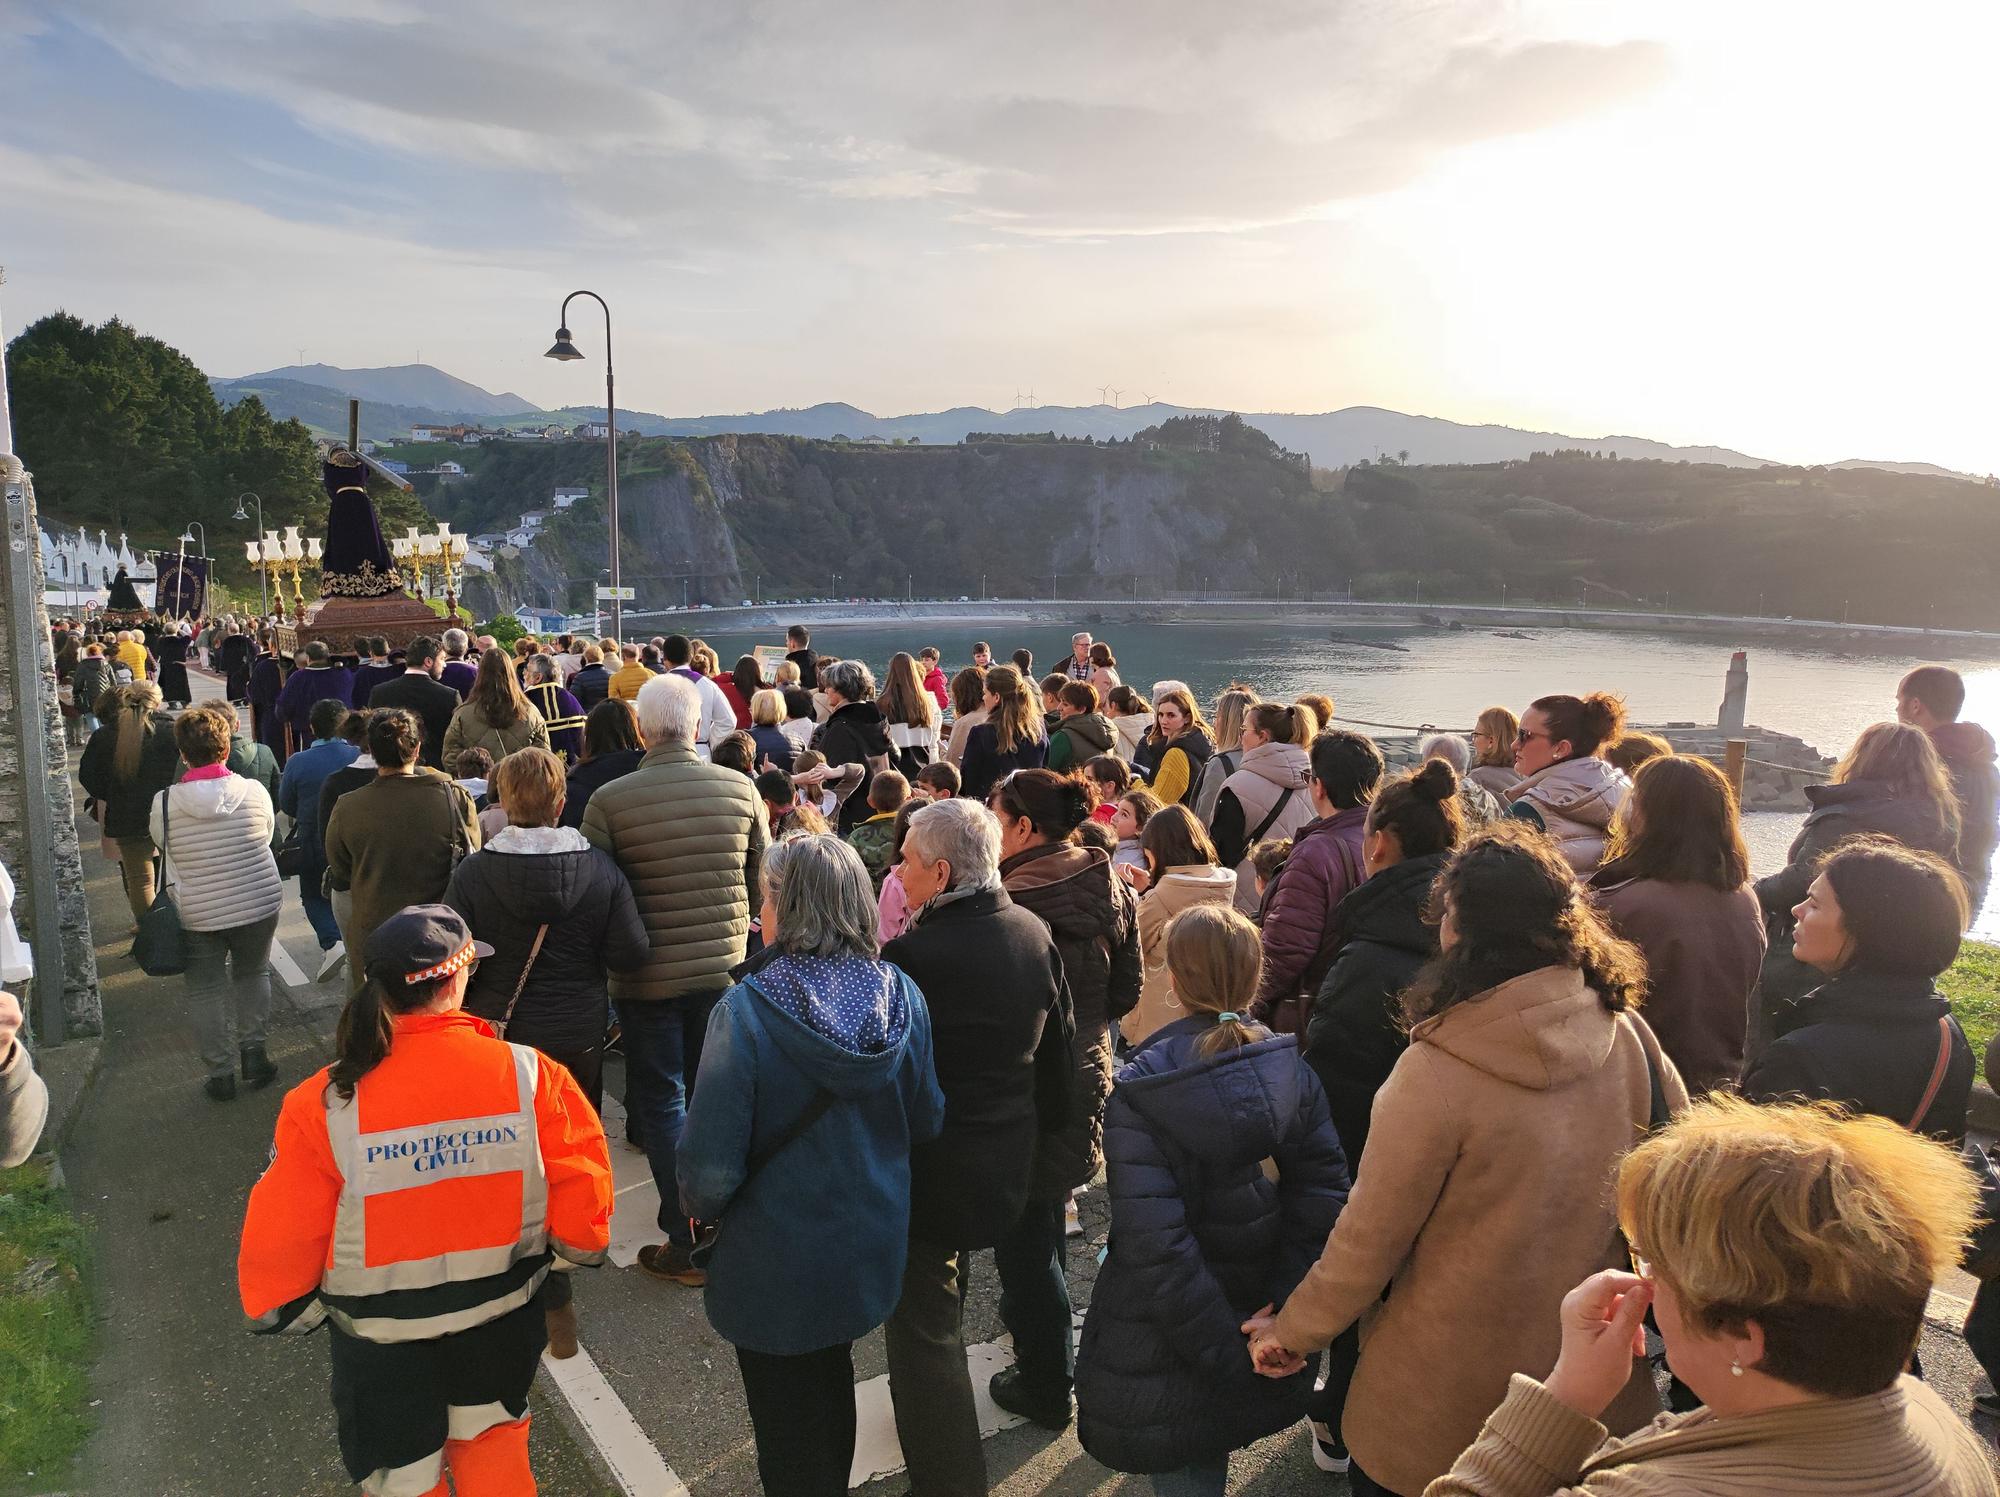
<point>263,584</point>
<point>197,525</point>
<point>566,349</point>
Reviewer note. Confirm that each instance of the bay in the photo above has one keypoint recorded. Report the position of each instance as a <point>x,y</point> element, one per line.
<point>1409,679</point>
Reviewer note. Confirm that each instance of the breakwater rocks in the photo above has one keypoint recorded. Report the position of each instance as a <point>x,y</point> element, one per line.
<point>1779,766</point>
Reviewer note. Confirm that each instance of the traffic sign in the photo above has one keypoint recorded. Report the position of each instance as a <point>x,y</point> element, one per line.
<point>617,594</point>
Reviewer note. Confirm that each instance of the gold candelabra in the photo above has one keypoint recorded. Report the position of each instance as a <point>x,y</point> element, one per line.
<point>284,556</point>
<point>442,551</point>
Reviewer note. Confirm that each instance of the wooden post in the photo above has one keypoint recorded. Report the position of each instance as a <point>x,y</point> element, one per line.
<point>1734,751</point>
<point>354,430</point>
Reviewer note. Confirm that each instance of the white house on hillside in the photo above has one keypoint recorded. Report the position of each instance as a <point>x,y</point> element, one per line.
<point>564,498</point>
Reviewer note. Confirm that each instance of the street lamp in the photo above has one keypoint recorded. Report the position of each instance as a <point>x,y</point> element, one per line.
<point>263,583</point>
<point>567,350</point>
<point>197,525</point>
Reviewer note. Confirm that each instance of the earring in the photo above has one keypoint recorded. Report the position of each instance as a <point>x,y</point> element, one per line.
<point>1736,1369</point>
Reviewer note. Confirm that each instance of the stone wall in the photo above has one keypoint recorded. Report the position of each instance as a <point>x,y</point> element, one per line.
<point>33,707</point>
<point>1765,787</point>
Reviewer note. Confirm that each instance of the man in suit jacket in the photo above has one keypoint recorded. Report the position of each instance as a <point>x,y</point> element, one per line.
<point>419,690</point>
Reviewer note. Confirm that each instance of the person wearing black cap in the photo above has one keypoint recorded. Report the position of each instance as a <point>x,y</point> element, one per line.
<point>418,1189</point>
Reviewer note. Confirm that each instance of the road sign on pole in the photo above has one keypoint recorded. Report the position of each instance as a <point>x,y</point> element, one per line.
<point>617,594</point>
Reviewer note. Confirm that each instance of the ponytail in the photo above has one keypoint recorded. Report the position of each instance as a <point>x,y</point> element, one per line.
<point>1214,958</point>
<point>1295,724</point>
<point>362,1039</point>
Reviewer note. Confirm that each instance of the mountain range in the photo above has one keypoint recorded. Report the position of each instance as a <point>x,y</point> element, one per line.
<point>395,398</point>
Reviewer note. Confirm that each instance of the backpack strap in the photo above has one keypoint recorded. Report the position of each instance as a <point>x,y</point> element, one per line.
<point>1276,811</point>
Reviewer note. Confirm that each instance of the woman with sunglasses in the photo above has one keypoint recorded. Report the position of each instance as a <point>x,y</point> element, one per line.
<point>1567,789</point>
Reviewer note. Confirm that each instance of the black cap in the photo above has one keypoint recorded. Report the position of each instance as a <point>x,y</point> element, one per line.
<point>421,942</point>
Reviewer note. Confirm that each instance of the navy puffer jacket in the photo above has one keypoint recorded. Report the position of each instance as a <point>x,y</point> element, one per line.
<point>1201,1238</point>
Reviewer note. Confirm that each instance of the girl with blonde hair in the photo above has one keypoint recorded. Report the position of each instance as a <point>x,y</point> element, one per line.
<point>1012,737</point>
<point>1196,1252</point>
<point>1493,738</point>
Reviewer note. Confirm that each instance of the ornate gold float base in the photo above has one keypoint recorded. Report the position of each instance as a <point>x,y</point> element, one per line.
<point>396,617</point>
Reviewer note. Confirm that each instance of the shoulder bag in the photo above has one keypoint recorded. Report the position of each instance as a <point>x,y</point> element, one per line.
<point>822,1102</point>
<point>160,948</point>
<point>521,983</point>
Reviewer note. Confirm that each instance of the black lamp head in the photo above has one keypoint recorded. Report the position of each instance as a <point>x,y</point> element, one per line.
<point>564,348</point>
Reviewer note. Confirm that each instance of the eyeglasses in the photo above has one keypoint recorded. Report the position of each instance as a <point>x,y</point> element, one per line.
<point>1525,736</point>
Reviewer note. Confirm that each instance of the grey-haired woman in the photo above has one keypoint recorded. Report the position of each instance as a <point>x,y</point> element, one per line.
<point>816,1082</point>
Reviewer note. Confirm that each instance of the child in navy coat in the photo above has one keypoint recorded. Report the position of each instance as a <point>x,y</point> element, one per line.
<point>1225,1178</point>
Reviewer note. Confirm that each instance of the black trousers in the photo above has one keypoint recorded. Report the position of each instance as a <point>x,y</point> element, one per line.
<point>393,1399</point>
<point>802,1410</point>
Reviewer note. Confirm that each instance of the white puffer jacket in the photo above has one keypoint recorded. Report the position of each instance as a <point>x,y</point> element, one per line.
<point>1576,800</point>
<point>218,845</point>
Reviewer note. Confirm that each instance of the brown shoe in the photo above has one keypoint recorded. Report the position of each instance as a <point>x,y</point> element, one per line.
<point>562,1331</point>
<point>669,1261</point>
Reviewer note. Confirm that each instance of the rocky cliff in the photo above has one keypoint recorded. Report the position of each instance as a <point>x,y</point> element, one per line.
<point>714,519</point>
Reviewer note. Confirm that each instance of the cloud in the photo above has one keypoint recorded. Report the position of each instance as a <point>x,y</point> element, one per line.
<point>1041,118</point>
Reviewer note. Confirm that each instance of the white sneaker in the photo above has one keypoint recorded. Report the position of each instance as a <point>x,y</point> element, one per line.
<point>1328,1453</point>
<point>330,962</point>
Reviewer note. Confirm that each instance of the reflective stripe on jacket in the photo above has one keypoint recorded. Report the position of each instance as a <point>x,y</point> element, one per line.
<point>430,1201</point>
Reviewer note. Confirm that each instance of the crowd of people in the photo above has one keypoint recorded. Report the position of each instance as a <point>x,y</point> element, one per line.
<point>1418,1095</point>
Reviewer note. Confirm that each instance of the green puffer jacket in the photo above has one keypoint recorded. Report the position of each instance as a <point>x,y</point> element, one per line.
<point>689,836</point>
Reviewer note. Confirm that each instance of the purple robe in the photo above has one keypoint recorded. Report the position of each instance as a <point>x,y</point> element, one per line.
<point>564,715</point>
<point>309,685</point>
<point>459,676</point>
<point>267,684</point>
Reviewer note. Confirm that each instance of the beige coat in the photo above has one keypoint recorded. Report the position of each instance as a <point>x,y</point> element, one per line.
<point>1177,889</point>
<point>1484,1196</point>
<point>470,729</point>
<point>962,730</point>
<point>1901,1442</point>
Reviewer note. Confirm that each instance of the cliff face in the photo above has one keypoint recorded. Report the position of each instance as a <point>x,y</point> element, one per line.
<point>714,519</point>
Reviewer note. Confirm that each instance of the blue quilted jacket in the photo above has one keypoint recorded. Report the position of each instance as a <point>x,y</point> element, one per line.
<point>1202,1236</point>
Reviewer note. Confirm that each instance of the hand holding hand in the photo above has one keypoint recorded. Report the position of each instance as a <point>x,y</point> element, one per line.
<point>1270,1356</point>
<point>1603,1329</point>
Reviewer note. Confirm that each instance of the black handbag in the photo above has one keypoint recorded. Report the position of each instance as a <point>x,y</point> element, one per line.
<point>160,948</point>
<point>290,855</point>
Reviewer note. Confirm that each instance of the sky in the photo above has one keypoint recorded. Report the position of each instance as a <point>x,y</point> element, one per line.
<point>1756,223</point>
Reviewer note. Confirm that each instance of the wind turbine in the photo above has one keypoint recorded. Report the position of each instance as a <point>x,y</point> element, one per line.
<point>1114,398</point>
<point>1104,394</point>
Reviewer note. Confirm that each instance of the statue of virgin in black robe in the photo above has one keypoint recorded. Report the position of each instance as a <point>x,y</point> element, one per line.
<point>355,563</point>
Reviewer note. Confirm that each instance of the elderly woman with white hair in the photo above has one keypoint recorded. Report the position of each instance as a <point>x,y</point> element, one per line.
<point>1477,806</point>
<point>855,740</point>
<point>1001,1022</point>
<point>816,1084</point>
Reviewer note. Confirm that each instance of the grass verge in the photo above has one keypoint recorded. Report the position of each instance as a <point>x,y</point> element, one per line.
<point>1973,986</point>
<point>45,1328</point>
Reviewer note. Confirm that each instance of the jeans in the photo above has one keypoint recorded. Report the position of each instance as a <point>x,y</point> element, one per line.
<point>318,908</point>
<point>1203,1479</point>
<point>662,1055</point>
<point>1326,1402</point>
<point>929,1383</point>
<point>229,976</point>
<point>135,867</point>
<point>1982,1332</point>
<point>1034,1299</point>
<point>802,1411</point>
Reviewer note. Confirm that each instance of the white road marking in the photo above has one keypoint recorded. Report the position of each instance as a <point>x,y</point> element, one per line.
<point>1947,1310</point>
<point>877,1451</point>
<point>634,1461</point>
<point>635,1204</point>
<point>288,969</point>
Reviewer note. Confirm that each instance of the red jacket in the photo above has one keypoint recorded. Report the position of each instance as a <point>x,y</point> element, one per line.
<point>430,1201</point>
<point>936,685</point>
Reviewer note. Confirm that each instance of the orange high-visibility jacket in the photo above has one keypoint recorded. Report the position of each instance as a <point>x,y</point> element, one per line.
<point>430,1201</point>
